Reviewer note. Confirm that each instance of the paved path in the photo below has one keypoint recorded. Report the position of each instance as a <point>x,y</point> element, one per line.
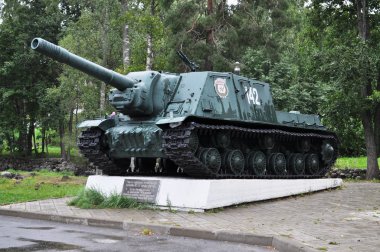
<point>346,219</point>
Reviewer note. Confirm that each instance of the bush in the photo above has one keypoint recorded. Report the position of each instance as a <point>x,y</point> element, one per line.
<point>91,198</point>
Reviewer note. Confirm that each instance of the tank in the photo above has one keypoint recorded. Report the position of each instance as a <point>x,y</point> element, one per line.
<point>198,124</point>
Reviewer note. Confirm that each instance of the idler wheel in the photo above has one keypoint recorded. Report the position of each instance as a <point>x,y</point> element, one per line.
<point>200,152</point>
<point>212,159</point>
<point>277,164</point>
<point>234,161</point>
<point>312,164</point>
<point>256,162</point>
<point>327,152</point>
<point>193,142</point>
<point>296,163</point>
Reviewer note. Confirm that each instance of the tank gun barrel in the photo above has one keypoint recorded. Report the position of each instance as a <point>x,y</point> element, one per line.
<point>62,55</point>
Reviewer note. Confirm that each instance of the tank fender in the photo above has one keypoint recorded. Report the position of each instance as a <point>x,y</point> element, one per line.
<point>103,124</point>
<point>171,122</point>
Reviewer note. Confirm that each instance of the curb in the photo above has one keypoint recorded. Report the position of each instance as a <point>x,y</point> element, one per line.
<point>280,243</point>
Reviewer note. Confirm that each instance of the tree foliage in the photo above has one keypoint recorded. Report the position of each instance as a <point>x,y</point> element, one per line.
<point>24,77</point>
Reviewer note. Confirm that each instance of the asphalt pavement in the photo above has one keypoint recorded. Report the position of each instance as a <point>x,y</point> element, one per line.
<point>19,234</point>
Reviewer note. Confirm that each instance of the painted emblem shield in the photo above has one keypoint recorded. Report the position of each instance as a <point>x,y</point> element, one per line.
<point>220,87</point>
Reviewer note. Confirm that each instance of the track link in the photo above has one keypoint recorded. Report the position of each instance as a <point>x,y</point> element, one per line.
<point>89,143</point>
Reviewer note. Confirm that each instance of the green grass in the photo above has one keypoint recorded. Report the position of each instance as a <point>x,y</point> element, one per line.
<point>91,198</point>
<point>322,248</point>
<point>43,185</point>
<point>54,152</point>
<point>352,162</point>
<point>350,180</point>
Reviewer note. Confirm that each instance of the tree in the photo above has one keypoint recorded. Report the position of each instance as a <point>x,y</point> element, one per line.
<point>216,34</point>
<point>347,37</point>
<point>147,36</point>
<point>199,32</point>
<point>276,55</point>
<point>98,27</point>
<point>24,76</point>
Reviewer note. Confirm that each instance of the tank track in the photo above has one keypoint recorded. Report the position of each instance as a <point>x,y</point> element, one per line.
<point>177,146</point>
<point>89,144</point>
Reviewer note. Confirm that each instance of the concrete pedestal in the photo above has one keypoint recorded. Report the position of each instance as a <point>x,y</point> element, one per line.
<point>202,194</point>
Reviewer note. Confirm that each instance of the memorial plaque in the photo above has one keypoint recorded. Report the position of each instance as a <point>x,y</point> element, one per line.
<point>141,190</point>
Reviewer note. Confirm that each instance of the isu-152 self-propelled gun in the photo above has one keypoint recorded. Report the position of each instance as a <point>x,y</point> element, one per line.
<point>198,124</point>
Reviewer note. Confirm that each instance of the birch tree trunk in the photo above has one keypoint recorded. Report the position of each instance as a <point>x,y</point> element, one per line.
<point>105,52</point>
<point>149,52</point>
<point>149,40</point>
<point>126,42</point>
<point>34,141</point>
<point>126,47</point>
<point>209,37</point>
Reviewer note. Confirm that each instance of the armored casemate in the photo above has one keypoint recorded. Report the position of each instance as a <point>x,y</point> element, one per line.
<point>200,124</point>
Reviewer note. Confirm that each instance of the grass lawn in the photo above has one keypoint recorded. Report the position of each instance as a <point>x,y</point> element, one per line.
<point>54,152</point>
<point>352,162</point>
<point>42,185</point>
